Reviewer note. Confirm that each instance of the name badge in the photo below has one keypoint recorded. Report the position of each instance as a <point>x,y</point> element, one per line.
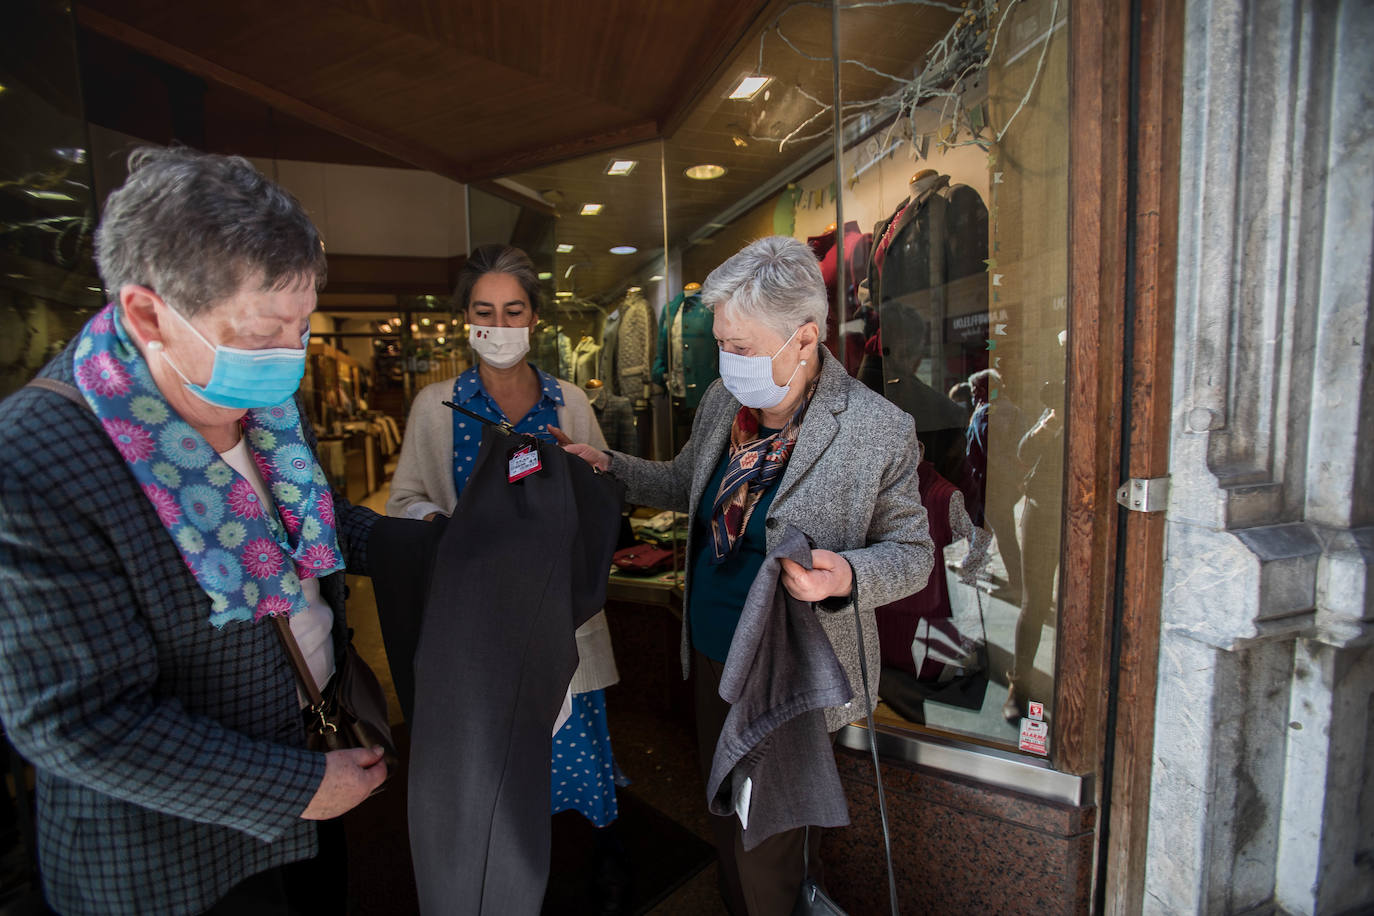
<point>523,461</point>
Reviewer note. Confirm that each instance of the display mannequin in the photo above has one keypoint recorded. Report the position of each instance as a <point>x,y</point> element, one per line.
<point>615,415</point>
<point>937,237</point>
<point>586,358</point>
<point>628,349</point>
<point>686,362</point>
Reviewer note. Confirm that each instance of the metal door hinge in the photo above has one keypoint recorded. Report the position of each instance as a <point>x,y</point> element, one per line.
<point>1144,494</point>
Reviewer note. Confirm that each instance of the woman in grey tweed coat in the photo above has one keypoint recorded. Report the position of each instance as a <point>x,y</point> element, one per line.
<point>784,437</point>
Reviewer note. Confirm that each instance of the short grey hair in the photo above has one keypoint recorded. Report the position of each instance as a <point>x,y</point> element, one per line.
<point>775,281</point>
<point>195,227</point>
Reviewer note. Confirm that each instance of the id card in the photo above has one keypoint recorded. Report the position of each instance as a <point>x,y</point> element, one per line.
<point>522,461</point>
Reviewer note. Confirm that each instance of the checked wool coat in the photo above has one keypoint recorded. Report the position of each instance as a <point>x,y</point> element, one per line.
<point>169,754</point>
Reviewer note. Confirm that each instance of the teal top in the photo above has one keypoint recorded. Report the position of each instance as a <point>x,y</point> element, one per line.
<point>719,590</point>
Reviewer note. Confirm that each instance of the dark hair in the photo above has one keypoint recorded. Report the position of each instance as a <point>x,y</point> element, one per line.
<point>195,227</point>
<point>496,259</point>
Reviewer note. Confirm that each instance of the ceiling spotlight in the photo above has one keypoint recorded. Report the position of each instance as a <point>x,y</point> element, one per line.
<point>545,275</point>
<point>655,278</point>
<point>633,289</point>
<point>563,294</point>
<point>621,166</point>
<point>739,142</point>
<point>438,340</point>
<point>425,321</point>
<point>624,249</point>
<point>749,87</point>
<point>564,248</point>
<point>415,329</point>
<point>591,209</point>
<point>384,328</point>
<point>704,172</point>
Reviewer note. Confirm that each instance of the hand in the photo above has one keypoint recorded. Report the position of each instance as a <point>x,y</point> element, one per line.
<point>593,456</point>
<point>830,576</point>
<point>349,777</point>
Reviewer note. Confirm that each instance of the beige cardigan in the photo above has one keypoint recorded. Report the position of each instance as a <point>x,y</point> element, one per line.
<point>423,483</point>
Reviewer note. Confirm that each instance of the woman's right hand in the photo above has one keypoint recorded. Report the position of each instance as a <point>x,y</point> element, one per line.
<point>593,456</point>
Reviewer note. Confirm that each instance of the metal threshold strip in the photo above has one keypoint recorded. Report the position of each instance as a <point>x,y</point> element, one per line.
<point>986,765</point>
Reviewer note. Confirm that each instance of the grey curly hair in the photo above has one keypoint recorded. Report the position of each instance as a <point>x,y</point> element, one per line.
<point>194,227</point>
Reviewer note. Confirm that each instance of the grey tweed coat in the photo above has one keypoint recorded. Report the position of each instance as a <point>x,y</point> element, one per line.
<point>850,484</point>
<point>169,754</point>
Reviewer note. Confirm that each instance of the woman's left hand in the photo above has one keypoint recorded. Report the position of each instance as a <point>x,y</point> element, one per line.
<point>830,576</point>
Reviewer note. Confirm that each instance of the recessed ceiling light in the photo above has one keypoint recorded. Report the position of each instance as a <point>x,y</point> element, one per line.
<point>564,249</point>
<point>425,321</point>
<point>739,142</point>
<point>704,172</point>
<point>655,278</point>
<point>545,275</point>
<point>749,87</point>
<point>621,166</point>
<point>591,209</point>
<point>633,289</point>
<point>49,195</point>
<point>563,294</point>
<point>414,328</point>
<point>624,249</point>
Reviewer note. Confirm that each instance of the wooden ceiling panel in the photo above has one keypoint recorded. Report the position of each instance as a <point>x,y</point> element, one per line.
<point>472,89</point>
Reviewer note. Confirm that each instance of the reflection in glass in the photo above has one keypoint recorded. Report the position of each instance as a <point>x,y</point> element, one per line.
<point>48,283</point>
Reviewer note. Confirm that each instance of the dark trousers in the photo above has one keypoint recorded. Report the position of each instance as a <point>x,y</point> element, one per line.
<point>312,887</point>
<point>765,880</point>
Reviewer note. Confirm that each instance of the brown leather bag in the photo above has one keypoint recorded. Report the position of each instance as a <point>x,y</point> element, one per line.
<point>353,714</point>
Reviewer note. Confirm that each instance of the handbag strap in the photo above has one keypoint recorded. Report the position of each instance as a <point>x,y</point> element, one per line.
<point>873,748</point>
<point>304,678</point>
<point>66,389</point>
<point>877,770</point>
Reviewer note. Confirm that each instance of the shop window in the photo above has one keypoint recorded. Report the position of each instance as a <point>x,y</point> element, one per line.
<point>956,214</point>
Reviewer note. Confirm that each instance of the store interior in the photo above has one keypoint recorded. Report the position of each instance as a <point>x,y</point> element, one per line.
<point>948,283</point>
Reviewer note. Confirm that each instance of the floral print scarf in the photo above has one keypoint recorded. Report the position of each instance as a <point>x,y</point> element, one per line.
<point>755,463</point>
<point>249,558</point>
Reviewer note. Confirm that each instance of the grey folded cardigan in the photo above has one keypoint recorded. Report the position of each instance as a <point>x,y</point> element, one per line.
<point>779,678</point>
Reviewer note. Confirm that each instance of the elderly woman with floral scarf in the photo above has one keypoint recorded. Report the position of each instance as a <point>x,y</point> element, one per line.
<point>161,500</point>
<point>785,437</point>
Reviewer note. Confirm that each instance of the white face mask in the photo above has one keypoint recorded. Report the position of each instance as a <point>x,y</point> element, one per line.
<point>499,348</point>
<point>750,378</point>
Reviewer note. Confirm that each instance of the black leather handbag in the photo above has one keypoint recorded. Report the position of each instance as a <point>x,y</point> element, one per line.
<point>352,711</point>
<point>811,899</point>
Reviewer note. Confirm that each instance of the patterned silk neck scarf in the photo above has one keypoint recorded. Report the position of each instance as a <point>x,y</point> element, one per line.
<point>249,560</point>
<point>755,463</point>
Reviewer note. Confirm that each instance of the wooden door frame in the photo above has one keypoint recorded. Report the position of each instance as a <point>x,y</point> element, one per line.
<point>1123,235</point>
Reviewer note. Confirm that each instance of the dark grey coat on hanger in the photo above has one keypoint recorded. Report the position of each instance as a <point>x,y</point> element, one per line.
<point>518,568</point>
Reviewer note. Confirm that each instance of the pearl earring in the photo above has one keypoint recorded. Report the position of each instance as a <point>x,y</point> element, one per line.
<point>155,345</point>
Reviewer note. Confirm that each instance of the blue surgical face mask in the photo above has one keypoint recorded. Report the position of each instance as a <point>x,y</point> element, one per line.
<point>245,379</point>
<point>750,378</point>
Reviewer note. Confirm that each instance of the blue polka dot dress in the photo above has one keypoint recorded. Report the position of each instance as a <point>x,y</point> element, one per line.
<point>583,768</point>
<point>584,771</point>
